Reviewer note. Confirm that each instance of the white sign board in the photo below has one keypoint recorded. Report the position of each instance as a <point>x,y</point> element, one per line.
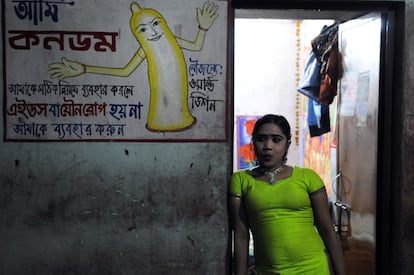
<point>115,70</point>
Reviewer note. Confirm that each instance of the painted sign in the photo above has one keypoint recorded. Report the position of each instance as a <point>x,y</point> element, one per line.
<point>104,70</point>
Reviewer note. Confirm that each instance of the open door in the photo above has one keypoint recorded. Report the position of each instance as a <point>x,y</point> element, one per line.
<point>361,188</point>
<point>357,122</point>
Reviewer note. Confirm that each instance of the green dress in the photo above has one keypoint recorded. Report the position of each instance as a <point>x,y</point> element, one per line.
<point>281,220</point>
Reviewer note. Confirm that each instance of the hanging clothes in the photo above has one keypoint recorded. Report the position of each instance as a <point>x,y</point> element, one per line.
<point>320,77</point>
<point>311,78</point>
<point>325,48</point>
<point>319,121</point>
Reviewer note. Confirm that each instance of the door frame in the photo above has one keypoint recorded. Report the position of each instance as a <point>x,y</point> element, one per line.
<point>388,204</point>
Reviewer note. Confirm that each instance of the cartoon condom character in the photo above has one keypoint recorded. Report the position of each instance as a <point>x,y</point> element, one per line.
<point>167,69</point>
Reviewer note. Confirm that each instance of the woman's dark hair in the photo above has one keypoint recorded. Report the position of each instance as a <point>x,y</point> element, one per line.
<point>278,120</point>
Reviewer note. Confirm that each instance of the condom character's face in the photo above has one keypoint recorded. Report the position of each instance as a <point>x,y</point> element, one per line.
<point>147,24</point>
<point>150,28</point>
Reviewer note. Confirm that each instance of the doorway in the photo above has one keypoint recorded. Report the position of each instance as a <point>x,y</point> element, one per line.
<point>361,256</point>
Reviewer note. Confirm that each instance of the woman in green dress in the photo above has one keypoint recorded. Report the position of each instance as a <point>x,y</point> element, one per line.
<point>285,208</point>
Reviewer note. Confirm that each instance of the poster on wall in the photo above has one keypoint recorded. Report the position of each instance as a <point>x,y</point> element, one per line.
<point>115,70</point>
<point>245,153</point>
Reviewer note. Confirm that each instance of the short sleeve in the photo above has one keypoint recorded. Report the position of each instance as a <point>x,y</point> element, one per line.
<point>235,186</point>
<point>314,181</point>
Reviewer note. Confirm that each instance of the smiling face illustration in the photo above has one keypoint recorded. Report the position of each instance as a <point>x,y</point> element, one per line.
<point>152,30</point>
<point>148,25</point>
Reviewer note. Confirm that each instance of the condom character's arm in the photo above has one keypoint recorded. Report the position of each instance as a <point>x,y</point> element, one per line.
<point>69,68</point>
<point>205,19</point>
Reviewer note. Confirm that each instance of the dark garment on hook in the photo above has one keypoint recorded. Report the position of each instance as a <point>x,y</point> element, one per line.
<point>311,78</point>
<point>320,78</point>
<point>325,48</point>
<point>318,115</point>
<point>319,121</point>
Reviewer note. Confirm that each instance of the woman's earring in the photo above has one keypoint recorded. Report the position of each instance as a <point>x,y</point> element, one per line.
<point>284,158</point>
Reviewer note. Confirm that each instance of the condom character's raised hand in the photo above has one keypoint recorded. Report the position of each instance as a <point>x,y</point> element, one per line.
<point>207,15</point>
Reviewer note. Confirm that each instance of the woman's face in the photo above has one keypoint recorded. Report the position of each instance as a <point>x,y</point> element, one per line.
<point>270,146</point>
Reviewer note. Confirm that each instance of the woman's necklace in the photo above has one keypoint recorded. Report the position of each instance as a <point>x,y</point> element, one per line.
<point>271,175</point>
